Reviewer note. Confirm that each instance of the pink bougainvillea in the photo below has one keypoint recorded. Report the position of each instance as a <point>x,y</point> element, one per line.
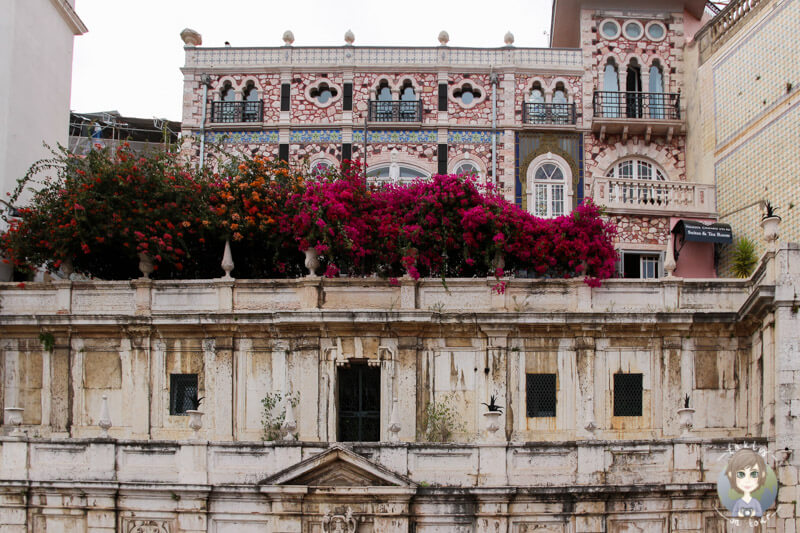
<point>447,226</point>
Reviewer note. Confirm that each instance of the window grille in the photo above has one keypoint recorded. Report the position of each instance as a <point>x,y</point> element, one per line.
<point>627,394</point>
<point>182,393</point>
<point>541,395</point>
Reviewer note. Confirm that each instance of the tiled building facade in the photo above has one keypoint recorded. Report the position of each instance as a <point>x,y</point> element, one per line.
<point>595,433</point>
<point>602,109</point>
<point>745,119</point>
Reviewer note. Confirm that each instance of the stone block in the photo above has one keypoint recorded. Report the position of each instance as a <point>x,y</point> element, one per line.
<point>786,510</point>
<point>787,475</point>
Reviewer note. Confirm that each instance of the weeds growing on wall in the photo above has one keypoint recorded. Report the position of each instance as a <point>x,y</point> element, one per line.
<point>273,413</point>
<point>444,420</point>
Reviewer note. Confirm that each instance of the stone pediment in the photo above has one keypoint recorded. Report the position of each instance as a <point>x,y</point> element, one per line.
<point>338,467</point>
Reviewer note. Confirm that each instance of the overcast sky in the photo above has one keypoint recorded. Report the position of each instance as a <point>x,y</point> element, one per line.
<point>130,59</point>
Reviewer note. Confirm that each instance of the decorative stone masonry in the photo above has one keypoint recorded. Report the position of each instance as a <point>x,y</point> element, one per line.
<point>641,230</point>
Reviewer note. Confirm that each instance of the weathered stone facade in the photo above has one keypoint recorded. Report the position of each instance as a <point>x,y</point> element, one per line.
<point>729,345</point>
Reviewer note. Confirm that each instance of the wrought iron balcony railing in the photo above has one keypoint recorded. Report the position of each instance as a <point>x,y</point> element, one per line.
<point>651,106</point>
<point>548,113</point>
<point>402,111</point>
<point>237,111</point>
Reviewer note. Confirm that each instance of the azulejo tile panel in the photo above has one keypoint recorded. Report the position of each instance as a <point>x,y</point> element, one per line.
<point>243,137</point>
<point>753,75</point>
<point>316,136</point>
<point>396,136</point>
<point>469,137</point>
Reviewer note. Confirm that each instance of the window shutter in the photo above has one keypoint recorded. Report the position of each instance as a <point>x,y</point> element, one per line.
<point>286,91</point>
<point>347,151</point>
<point>283,152</point>
<point>442,154</point>
<point>442,97</point>
<point>347,97</point>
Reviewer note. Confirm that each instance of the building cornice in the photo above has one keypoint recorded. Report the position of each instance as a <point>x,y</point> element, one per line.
<point>69,15</point>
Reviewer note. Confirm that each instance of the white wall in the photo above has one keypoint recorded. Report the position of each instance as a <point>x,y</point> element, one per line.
<point>36,69</point>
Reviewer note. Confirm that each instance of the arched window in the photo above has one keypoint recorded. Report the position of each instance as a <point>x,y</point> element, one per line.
<point>405,174</point>
<point>631,192</point>
<point>227,94</point>
<point>383,108</point>
<point>560,105</point>
<point>467,167</point>
<point>252,105</point>
<point>323,93</point>
<point>612,99</point>
<point>384,93</point>
<point>656,87</point>
<point>320,167</point>
<point>633,90</point>
<point>408,102</point>
<point>549,183</point>
<point>467,94</point>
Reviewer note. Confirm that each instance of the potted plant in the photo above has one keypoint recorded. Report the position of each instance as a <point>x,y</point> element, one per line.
<point>195,415</point>
<point>686,417</point>
<point>492,416</point>
<point>770,222</point>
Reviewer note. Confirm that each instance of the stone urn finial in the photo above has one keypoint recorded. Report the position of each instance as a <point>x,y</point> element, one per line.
<point>288,37</point>
<point>444,38</point>
<point>227,260</point>
<point>509,38</point>
<point>349,37</point>
<point>191,37</point>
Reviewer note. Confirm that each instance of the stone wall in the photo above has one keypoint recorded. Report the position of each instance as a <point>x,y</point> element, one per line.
<point>729,345</point>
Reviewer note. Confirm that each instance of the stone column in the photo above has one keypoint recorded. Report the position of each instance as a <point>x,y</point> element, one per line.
<point>218,354</point>
<point>135,352</point>
<point>496,381</point>
<point>587,419</point>
<point>59,386</point>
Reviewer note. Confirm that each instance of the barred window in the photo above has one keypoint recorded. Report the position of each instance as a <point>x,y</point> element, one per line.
<point>541,395</point>
<point>627,394</point>
<point>182,393</point>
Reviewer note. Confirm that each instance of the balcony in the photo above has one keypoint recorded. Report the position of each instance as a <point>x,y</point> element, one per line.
<point>636,113</point>
<point>549,114</point>
<point>403,111</point>
<point>238,112</point>
<point>649,197</point>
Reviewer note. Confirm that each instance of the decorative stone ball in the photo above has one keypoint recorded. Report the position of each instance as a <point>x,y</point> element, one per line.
<point>191,37</point>
<point>509,38</point>
<point>288,37</point>
<point>444,38</point>
<point>349,37</point>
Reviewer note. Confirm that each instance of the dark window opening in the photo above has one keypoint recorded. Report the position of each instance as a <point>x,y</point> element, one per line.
<point>283,152</point>
<point>323,93</point>
<point>442,158</point>
<point>633,265</point>
<point>286,91</point>
<point>359,403</point>
<point>182,393</point>
<point>347,151</point>
<point>541,395</point>
<point>627,394</point>
<point>633,88</point>
<point>347,97</point>
<point>466,94</point>
<point>442,97</point>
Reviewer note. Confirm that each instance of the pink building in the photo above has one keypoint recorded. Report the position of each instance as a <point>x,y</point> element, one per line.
<point>597,115</point>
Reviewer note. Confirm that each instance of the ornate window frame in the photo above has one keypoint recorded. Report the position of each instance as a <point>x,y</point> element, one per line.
<point>460,87</point>
<point>530,181</point>
<point>607,37</point>
<point>316,84</point>
<point>468,158</point>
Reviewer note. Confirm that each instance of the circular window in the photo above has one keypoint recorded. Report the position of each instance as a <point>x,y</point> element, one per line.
<point>633,30</point>
<point>609,29</point>
<point>656,31</point>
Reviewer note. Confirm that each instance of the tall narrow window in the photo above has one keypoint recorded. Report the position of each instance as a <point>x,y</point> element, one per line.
<point>537,110</point>
<point>611,98</point>
<point>359,403</point>
<point>252,103</point>
<point>549,191</point>
<point>383,108</point>
<point>656,88</point>
<point>347,97</point>
<point>286,91</point>
<point>408,103</point>
<point>633,90</point>
<point>560,105</point>
<point>442,97</point>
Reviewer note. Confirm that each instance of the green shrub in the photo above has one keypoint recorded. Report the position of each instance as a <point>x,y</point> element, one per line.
<point>744,258</point>
<point>273,413</point>
<point>443,420</point>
